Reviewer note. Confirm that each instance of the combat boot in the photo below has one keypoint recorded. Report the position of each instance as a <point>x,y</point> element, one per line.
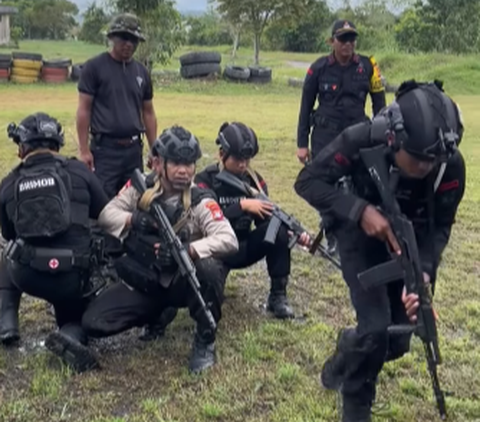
<point>203,350</point>
<point>70,344</point>
<point>9,306</point>
<point>156,329</point>
<point>277,299</point>
<point>357,407</point>
<point>331,243</point>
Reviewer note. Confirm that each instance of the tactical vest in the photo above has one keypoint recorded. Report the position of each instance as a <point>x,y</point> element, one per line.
<point>342,93</point>
<point>43,206</point>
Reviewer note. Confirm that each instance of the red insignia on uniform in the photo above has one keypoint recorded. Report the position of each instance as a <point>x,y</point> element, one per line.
<point>454,184</point>
<point>125,187</point>
<point>334,87</point>
<point>215,210</point>
<point>360,69</point>
<point>341,159</point>
<point>53,263</point>
<point>202,185</point>
<point>310,72</point>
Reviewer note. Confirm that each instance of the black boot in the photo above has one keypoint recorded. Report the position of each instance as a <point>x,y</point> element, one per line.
<point>9,305</point>
<point>70,344</point>
<point>333,371</point>
<point>277,299</point>
<point>331,242</point>
<point>203,350</point>
<point>156,329</point>
<point>357,407</point>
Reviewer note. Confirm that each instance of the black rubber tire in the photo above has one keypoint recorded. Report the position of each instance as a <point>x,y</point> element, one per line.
<point>5,57</point>
<point>261,72</point>
<point>236,73</point>
<point>27,56</point>
<point>5,65</point>
<point>76,72</point>
<point>200,57</point>
<point>200,70</point>
<point>57,63</point>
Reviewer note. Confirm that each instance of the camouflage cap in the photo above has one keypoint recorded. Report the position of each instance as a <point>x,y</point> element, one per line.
<point>126,23</point>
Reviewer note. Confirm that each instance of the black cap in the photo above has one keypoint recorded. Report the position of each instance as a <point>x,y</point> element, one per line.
<point>342,27</point>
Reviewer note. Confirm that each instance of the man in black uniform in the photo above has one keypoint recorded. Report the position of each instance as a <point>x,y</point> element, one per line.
<point>45,204</point>
<point>341,82</point>
<point>115,107</point>
<point>420,131</point>
<point>152,282</point>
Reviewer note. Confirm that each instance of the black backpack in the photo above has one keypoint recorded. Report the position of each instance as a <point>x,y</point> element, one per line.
<point>43,200</point>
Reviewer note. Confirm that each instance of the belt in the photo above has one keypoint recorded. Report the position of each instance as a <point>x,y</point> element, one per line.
<point>46,259</point>
<point>112,140</point>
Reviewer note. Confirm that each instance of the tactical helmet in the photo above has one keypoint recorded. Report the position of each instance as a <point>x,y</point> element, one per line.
<point>238,140</point>
<point>422,120</point>
<point>126,23</point>
<point>177,144</point>
<point>36,127</point>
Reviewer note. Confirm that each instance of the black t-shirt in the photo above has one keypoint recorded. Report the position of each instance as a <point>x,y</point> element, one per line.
<point>119,90</point>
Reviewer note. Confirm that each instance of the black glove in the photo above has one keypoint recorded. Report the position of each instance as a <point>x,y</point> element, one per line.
<point>143,222</point>
<point>165,258</point>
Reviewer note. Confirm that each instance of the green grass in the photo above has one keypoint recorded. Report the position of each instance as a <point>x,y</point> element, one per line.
<point>267,370</point>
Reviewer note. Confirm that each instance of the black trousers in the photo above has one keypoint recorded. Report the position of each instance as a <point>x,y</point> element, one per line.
<point>115,163</point>
<point>254,248</point>
<point>120,307</point>
<point>321,137</point>
<point>376,309</point>
<point>64,291</point>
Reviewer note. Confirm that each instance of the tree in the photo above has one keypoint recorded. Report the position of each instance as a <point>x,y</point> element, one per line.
<point>94,21</point>
<point>256,15</point>
<point>162,25</point>
<point>207,29</point>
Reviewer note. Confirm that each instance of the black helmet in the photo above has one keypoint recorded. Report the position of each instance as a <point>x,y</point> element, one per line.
<point>177,144</point>
<point>431,120</point>
<point>238,140</point>
<point>36,127</point>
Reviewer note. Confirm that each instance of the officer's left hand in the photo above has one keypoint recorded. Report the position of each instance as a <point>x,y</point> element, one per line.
<point>412,303</point>
<point>164,257</point>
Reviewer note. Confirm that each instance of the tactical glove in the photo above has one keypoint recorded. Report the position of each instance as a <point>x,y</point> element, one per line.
<point>143,222</point>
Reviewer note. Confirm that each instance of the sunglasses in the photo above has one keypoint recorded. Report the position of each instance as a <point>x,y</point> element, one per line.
<point>126,37</point>
<point>351,38</point>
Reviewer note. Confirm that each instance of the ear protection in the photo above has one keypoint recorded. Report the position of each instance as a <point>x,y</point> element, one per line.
<point>388,125</point>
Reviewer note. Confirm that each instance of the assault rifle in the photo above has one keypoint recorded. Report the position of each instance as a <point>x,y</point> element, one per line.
<point>406,266</point>
<point>172,241</point>
<point>278,217</point>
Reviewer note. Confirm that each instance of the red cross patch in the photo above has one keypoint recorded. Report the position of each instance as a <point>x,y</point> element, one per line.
<point>54,263</point>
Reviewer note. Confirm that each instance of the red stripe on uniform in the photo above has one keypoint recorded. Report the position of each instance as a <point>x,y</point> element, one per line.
<point>449,186</point>
<point>310,71</point>
<point>341,159</point>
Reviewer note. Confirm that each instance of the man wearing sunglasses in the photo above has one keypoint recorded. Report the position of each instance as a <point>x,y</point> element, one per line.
<point>340,82</point>
<point>115,107</point>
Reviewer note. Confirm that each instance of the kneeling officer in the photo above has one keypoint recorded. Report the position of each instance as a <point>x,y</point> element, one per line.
<point>46,203</point>
<point>152,281</point>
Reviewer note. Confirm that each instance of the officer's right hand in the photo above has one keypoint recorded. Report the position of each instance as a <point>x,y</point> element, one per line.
<point>376,225</point>
<point>143,221</point>
<point>303,154</point>
<point>87,158</point>
<point>257,207</point>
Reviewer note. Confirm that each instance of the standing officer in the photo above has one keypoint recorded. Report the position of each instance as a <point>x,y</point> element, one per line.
<point>45,204</point>
<point>151,283</point>
<point>419,132</point>
<point>115,107</point>
<point>340,82</point>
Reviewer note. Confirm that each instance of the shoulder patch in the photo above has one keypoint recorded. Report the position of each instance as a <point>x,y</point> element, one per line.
<point>376,84</point>
<point>215,210</point>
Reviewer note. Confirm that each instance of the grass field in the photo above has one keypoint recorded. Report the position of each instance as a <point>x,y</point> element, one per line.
<point>267,370</point>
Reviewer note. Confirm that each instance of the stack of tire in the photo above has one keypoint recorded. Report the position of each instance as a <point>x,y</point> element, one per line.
<point>26,67</point>
<point>5,64</point>
<point>200,64</point>
<point>56,71</point>
<point>252,74</point>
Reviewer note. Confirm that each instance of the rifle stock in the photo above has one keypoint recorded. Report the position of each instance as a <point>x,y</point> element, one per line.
<point>171,240</point>
<point>407,266</point>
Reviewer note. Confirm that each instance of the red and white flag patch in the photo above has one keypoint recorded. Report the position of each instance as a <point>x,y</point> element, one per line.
<point>215,210</point>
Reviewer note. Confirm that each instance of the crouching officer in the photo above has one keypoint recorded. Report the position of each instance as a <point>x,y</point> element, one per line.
<point>150,274</point>
<point>419,133</point>
<point>46,203</point>
<point>238,144</point>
